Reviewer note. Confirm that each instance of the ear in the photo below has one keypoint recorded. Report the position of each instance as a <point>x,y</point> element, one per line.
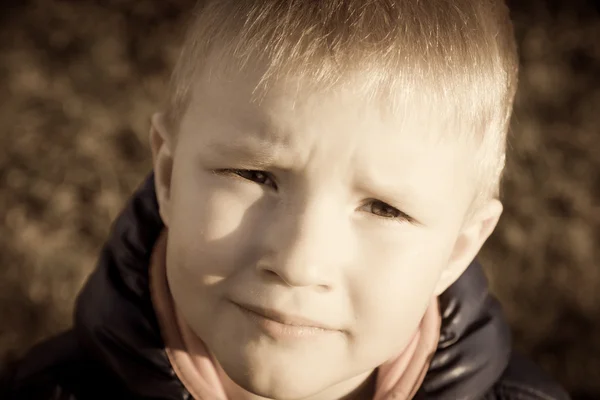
<point>471,238</point>
<point>162,158</point>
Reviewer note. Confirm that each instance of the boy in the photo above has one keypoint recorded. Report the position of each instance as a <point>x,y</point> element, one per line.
<point>324,175</point>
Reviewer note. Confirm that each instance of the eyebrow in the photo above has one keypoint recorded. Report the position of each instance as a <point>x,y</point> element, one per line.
<point>258,151</point>
<point>385,191</point>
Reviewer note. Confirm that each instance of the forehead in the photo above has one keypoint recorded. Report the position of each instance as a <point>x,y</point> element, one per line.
<point>245,96</point>
<point>293,124</point>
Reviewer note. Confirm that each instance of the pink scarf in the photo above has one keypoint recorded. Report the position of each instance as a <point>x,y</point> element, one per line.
<point>398,379</point>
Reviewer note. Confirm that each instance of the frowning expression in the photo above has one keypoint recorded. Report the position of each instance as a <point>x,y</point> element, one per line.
<point>318,210</point>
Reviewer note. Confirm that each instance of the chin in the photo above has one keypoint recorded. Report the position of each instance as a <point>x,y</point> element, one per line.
<point>277,383</point>
<point>281,391</point>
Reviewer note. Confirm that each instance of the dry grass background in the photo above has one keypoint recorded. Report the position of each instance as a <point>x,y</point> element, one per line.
<point>79,79</point>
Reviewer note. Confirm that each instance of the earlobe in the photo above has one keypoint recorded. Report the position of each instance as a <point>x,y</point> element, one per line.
<point>162,158</point>
<point>470,240</point>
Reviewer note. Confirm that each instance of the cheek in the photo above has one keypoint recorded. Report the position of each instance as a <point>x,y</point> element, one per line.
<point>204,206</point>
<point>391,295</point>
<point>214,220</point>
<point>214,228</point>
<point>209,241</point>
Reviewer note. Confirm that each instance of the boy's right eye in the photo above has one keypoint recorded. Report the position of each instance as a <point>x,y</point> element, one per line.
<point>260,177</point>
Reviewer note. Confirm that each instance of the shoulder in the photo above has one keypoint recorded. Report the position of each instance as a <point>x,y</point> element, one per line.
<point>524,380</point>
<point>56,369</point>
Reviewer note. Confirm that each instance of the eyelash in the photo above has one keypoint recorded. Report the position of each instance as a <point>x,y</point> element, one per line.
<point>398,216</point>
<point>239,172</point>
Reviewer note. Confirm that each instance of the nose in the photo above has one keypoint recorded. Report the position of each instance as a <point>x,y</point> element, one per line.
<point>307,245</point>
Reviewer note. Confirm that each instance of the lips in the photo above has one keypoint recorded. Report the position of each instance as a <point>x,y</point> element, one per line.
<point>285,318</point>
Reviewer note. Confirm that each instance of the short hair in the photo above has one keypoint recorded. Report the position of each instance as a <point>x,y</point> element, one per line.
<point>457,57</point>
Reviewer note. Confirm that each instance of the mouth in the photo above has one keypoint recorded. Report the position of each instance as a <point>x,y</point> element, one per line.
<point>279,325</point>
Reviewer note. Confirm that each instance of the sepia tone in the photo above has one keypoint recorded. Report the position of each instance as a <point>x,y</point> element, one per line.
<point>79,81</point>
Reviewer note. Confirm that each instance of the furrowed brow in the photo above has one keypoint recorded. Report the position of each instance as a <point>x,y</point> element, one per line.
<point>405,197</point>
<point>257,152</point>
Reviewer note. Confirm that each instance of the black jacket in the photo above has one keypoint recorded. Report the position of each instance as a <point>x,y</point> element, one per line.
<point>115,350</point>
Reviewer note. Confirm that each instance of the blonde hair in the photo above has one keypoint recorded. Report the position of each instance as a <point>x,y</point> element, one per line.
<point>458,57</point>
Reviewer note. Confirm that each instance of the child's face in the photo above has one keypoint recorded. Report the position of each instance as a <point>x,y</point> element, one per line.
<point>351,224</point>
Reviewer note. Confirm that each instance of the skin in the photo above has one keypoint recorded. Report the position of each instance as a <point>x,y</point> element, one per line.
<point>356,219</point>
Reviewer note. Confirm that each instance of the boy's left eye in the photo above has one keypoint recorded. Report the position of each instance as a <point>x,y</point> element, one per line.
<point>260,177</point>
<point>384,210</point>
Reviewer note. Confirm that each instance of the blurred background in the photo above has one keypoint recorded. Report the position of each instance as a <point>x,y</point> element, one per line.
<point>79,80</point>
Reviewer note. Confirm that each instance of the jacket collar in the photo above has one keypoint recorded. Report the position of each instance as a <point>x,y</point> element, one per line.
<point>116,323</point>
